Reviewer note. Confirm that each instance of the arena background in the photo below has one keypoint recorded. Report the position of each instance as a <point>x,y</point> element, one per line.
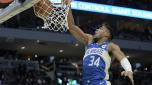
<point>30,55</point>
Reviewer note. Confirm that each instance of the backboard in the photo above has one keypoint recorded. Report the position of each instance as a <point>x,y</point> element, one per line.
<point>15,8</point>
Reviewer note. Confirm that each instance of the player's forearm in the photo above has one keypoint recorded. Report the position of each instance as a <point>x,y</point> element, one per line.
<point>71,22</point>
<point>120,56</point>
<point>75,30</point>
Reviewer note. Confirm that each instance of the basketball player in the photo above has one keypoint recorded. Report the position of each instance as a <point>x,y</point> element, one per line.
<point>96,61</point>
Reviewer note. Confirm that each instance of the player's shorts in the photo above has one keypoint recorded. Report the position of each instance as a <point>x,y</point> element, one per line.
<point>96,82</point>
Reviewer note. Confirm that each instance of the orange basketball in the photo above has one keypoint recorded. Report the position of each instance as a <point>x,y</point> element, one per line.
<point>5,1</point>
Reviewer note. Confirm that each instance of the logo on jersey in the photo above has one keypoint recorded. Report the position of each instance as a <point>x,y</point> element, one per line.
<point>97,51</point>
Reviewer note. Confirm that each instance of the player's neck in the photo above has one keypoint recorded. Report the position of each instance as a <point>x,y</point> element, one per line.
<point>101,40</point>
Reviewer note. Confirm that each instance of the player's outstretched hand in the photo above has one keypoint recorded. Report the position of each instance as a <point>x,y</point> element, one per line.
<point>128,74</point>
<point>67,2</point>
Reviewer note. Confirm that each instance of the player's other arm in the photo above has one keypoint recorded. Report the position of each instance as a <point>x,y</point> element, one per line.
<point>120,56</point>
<point>76,31</point>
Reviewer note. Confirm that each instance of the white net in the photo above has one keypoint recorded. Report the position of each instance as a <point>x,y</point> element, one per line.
<point>53,14</point>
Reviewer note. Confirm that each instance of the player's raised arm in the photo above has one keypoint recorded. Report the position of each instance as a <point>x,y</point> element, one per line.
<point>120,56</point>
<point>76,31</point>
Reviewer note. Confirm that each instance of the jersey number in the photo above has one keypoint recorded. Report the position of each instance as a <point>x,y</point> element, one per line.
<point>94,62</point>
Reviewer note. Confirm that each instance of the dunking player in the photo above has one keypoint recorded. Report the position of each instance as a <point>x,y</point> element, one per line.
<point>96,61</point>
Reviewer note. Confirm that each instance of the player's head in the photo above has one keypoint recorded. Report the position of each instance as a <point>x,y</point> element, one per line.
<point>103,31</point>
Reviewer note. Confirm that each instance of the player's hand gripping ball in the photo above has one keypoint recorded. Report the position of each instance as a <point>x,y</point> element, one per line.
<point>67,2</point>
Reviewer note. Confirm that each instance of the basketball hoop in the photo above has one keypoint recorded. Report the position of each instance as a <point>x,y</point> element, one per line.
<point>53,14</point>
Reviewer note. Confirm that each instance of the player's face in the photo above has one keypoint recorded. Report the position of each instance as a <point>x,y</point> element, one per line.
<point>101,32</point>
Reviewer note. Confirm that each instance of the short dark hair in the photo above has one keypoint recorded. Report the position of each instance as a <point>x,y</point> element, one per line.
<point>107,25</point>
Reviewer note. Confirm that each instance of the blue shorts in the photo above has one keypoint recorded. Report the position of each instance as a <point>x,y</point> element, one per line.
<point>97,82</point>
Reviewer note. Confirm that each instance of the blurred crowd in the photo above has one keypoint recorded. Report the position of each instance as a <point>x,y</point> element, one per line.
<point>21,76</point>
<point>18,76</point>
<point>134,34</point>
<point>15,70</point>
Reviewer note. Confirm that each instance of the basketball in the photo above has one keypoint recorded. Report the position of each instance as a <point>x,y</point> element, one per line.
<point>5,1</point>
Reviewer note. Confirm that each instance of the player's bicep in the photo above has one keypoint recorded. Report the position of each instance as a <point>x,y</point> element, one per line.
<point>79,34</point>
<point>116,52</point>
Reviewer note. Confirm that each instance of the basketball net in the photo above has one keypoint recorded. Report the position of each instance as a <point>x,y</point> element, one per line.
<point>53,14</point>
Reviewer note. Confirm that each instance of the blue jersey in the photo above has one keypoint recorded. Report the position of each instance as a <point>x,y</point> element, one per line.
<point>96,63</point>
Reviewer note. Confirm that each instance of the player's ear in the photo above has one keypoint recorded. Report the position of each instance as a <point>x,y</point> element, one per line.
<point>107,34</point>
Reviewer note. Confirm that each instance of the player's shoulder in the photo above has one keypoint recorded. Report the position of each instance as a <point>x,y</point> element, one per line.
<point>112,45</point>
<point>89,35</point>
